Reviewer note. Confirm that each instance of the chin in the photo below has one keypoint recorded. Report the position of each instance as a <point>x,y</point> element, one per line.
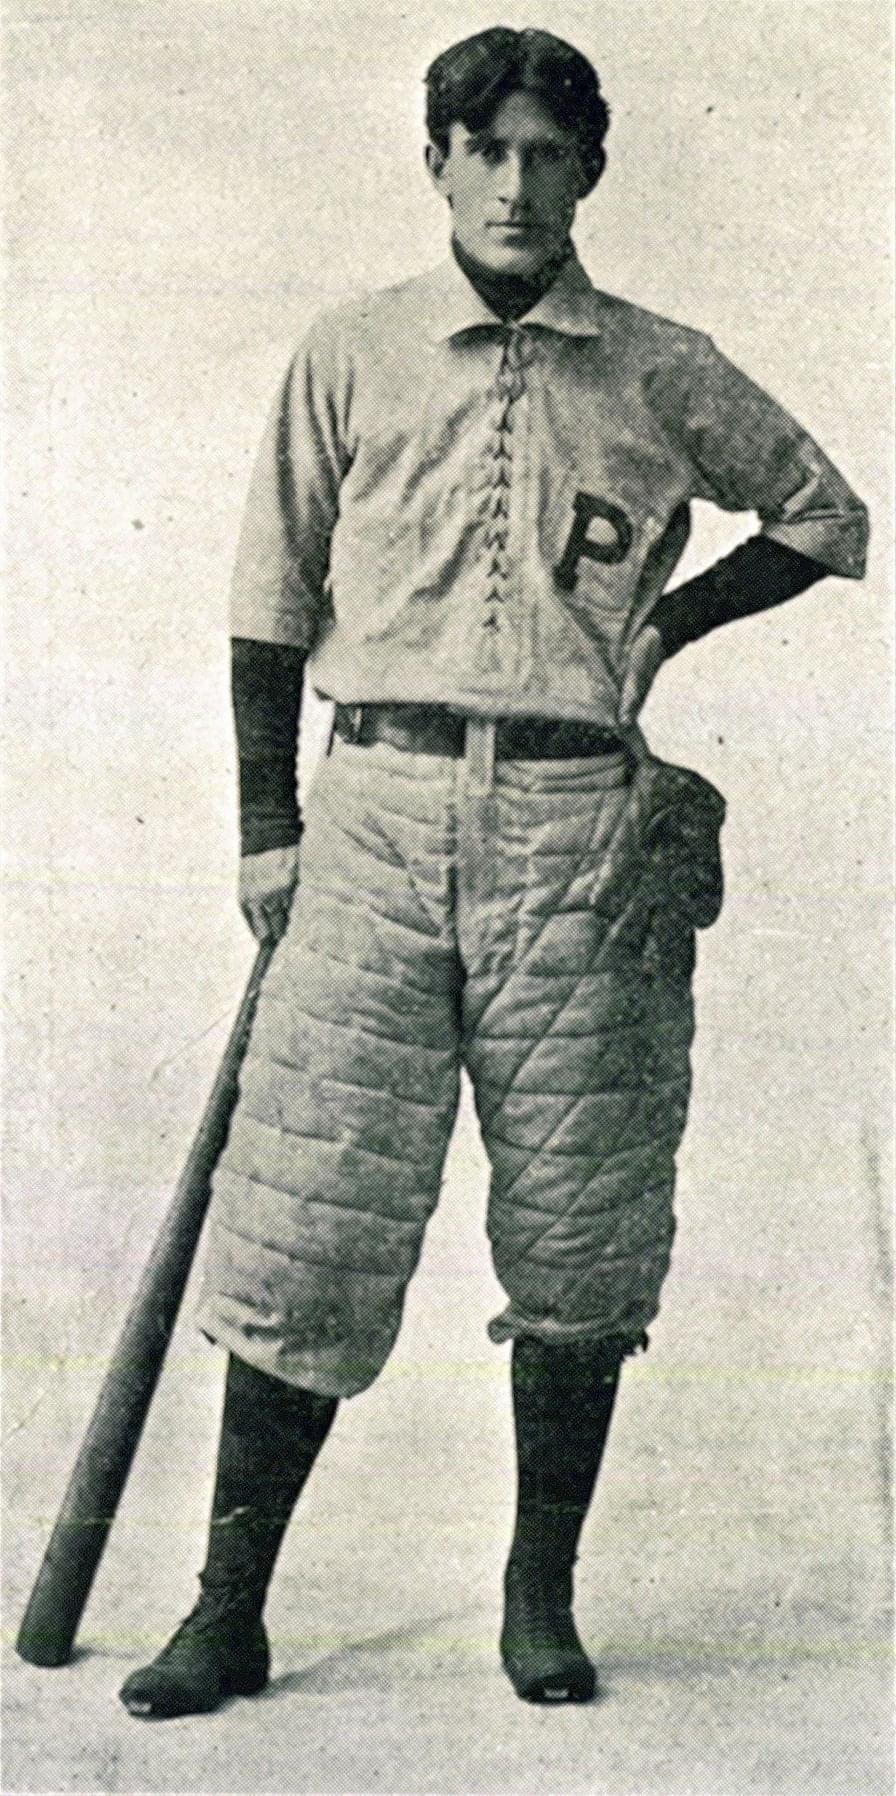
<point>509,258</point>
<point>528,265</point>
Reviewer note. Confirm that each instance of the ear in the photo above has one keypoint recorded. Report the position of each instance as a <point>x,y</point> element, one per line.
<point>591,173</point>
<point>437,164</point>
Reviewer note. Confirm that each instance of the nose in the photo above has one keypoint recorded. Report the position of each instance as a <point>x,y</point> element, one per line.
<point>514,184</point>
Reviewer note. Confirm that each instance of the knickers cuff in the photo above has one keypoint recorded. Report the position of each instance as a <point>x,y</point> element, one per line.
<point>331,1371</point>
<point>510,1325</point>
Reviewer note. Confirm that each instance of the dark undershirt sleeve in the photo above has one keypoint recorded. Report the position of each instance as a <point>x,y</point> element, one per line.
<point>757,575</point>
<point>266,685</point>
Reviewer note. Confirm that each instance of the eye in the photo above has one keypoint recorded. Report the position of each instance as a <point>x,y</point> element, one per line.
<point>489,149</point>
<point>553,153</point>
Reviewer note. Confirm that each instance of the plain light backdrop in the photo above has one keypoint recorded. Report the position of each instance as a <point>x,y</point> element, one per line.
<point>189,183</point>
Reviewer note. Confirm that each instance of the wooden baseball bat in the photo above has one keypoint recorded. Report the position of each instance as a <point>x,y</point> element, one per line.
<point>88,1510</point>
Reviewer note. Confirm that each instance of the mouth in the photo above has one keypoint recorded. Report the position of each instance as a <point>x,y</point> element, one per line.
<point>515,232</point>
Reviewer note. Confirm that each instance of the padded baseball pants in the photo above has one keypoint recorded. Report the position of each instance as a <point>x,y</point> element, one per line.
<point>517,919</point>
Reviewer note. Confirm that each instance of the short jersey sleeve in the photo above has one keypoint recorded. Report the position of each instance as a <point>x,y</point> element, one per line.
<point>279,590</point>
<point>749,454</point>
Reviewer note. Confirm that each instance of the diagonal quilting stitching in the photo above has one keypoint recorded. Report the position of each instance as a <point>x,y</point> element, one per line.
<point>438,930</point>
<point>382,916</point>
<point>612,1213</point>
<point>670,1083</point>
<point>482,1024</point>
<point>580,1199</point>
<point>545,1035</point>
<point>542,1234</point>
<point>569,1153</point>
<point>607,1211</point>
<point>343,830</point>
<point>325,954</point>
<point>659,1253</point>
<point>612,1153</point>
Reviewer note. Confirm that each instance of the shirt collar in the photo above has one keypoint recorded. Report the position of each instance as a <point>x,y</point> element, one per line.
<point>451,304</point>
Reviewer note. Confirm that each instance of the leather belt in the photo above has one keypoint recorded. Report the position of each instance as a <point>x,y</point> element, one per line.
<point>434,730</point>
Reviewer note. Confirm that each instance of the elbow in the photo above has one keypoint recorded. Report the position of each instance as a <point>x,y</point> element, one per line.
<point>852,546</point>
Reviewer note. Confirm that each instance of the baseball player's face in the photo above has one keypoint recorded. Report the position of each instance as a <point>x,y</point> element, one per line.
<point>512,187</point>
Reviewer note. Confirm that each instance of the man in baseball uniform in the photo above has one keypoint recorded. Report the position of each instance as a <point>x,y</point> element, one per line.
<point>471,496</point>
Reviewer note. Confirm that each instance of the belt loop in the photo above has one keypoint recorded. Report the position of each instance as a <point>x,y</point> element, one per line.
<point>479,754</point>
<point>356,721</point>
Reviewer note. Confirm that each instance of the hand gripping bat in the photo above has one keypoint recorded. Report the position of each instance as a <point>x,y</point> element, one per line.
<point>88,1510</point>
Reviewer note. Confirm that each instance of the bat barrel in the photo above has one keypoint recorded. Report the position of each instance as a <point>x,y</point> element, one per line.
<point>76,1545</point>
<point>63,1584</point>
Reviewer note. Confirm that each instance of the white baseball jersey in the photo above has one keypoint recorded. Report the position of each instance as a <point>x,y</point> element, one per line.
<point>454,510</point>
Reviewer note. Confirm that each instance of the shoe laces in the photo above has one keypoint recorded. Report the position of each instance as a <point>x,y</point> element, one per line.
<point>218,1603</point>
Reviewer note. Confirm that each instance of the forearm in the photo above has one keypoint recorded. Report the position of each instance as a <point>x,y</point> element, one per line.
<point>266,684</point>
<point>757,575</point>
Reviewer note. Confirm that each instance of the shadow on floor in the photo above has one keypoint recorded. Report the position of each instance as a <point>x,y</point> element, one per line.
<point>364,1663</point>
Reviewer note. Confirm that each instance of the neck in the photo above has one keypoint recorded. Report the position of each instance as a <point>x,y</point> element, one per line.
<point>511,295</point>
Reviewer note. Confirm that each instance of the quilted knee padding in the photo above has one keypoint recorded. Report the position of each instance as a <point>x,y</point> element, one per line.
<point>543,932</point>
<point>579,1052</point>
<point>347,1098</point>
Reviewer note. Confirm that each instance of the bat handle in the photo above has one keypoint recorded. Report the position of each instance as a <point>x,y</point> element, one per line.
<point>76,1545</point>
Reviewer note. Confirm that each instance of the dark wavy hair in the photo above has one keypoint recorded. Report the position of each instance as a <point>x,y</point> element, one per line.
<point>468,83</point>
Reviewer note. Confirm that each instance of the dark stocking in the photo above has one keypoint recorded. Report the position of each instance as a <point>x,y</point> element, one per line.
<point>563,1397</point>
<point>271,1434</point>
